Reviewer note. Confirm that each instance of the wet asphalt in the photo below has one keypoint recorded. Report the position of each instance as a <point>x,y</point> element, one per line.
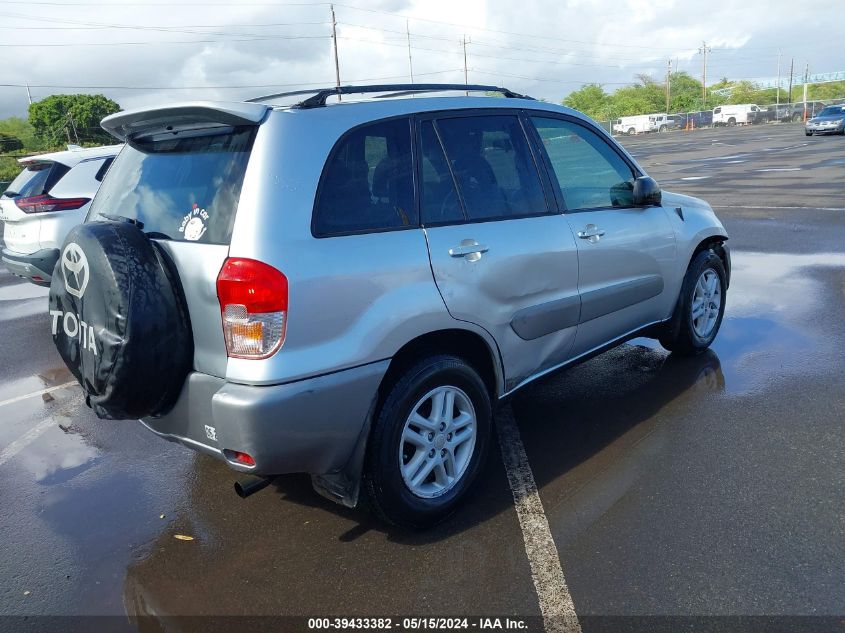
<point>710,486</point>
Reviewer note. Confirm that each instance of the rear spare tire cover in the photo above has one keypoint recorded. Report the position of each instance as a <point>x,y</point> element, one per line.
<point>119,320</point>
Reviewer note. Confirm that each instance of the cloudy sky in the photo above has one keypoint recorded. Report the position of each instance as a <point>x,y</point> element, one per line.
<point>149,51</point>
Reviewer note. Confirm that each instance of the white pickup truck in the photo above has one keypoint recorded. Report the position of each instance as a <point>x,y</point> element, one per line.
<point>642,123</point>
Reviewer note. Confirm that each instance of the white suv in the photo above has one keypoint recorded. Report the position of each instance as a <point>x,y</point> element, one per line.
<point>47,199</point>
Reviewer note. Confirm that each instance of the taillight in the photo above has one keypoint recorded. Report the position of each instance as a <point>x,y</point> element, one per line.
<point>254,304</point>
<point>46,202</point>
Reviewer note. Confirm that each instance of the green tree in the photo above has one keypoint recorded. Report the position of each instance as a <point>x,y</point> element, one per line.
<point>10,143</point>
<point>590,99</point>
<point>21,129</point>
<point>71,117</point>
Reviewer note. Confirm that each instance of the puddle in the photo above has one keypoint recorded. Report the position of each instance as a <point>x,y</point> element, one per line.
<point>17,292</point>
<point>24,309</point>
<point>31,384</point>
<point>57,455</point>
<point>770,331</point>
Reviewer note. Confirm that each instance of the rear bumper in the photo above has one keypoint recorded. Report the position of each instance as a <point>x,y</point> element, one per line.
<point>309,426</point>
<point>38,264</point>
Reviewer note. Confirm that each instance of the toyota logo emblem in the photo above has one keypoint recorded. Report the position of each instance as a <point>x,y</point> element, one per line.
<point>75,269</point>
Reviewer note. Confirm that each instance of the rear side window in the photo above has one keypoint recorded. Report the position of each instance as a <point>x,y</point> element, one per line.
<point>184,188</point>
<point>367,183</point>
<point>35,180</point>
<point>80,180</point>
<point>493,166</point>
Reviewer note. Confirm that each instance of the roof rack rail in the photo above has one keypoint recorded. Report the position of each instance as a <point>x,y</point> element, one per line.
<point>319,95</point>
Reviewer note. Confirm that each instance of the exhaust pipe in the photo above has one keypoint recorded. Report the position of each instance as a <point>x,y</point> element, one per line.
<point>250,485</point>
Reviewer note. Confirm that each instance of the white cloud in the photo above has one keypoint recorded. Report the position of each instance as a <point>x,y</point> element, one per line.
<point>543,47</point>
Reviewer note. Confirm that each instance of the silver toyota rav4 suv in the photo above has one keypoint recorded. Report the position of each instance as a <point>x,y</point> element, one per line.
<point>350,289</point>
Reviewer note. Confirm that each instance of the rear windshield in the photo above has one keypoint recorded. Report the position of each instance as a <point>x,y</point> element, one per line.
<point>35,180</point>
<point>184,189</point>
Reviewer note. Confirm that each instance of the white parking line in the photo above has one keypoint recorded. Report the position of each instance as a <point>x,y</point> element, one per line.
<point>555,601</point>
<point>34,394</point>
<point>24,440</point>
<point>759,206</point>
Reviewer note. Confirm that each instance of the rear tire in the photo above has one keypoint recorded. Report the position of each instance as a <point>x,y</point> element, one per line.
<point>808,133</point>
<point>663,128</point>
<point>731,122</point>
<point>425,453</point>
<point>700,308</point>
<point>631,132</point>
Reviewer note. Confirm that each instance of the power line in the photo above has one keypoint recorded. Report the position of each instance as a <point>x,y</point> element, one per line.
<point>345,6</point>
<point>240,87</point>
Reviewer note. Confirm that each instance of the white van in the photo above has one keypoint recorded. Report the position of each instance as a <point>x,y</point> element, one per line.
<point>638,124</point>
<point>739,114</point>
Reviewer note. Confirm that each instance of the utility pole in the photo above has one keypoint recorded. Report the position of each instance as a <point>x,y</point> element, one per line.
<point>466,79</point>
<point>806,81</point>
<point>668,80</point>
<point>410,63</point>
<point>704,50</point>
<point>791,69</point>
<point>777,102</point>
<point>28,94</point>
<point>334,42</point>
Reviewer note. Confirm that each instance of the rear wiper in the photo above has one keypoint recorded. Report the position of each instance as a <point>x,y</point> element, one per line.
<point>123,218</point>
<point>153,235</point>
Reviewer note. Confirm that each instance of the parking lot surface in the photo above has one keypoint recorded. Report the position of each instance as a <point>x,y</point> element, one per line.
<point>710,486</point>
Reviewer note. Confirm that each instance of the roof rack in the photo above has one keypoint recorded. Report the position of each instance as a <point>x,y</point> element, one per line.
<point>319,95</point>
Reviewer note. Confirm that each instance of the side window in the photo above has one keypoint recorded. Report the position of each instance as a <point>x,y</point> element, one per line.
<point>367,184</point>
<point>440,202</point>
<point>717,110</point>
<point>80,180</point>
<point>493,166</point>
<point>590,173</point>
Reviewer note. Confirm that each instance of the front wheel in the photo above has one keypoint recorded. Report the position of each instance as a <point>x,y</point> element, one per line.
<point>700,308</point>
<point>808,133</point>
<point>663,128</point>
<point>428,442</point>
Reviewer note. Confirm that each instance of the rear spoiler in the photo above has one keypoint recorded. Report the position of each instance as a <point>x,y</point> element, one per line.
<point>193,115</point>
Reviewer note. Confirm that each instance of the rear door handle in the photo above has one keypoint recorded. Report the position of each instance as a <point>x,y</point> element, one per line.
<point>591,232</point>
<point>470,249</point>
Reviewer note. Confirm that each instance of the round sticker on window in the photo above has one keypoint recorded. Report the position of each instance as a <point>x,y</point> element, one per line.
<point>194,225</point>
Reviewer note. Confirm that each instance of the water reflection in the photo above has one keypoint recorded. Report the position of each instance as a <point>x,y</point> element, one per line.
<point>58,455</point>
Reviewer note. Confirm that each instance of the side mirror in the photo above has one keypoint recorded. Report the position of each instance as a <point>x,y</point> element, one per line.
<point>646,192</point>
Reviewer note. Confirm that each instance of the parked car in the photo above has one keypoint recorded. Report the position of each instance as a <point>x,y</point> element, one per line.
<point>659,122</point>
<point>350,290</point>
<point>702,118</point>
<point>831,120</point>
<point>805,110</point>
<point>38,208</point>
<point>735,114</point>
<point>677,121</point>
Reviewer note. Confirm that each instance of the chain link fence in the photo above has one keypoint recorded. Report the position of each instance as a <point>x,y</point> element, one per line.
<point>794,112</point>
